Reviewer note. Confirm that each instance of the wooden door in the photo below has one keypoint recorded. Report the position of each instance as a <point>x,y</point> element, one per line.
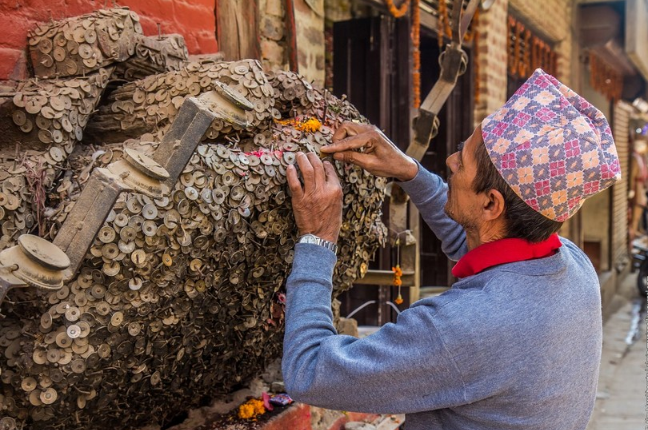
<point>371,65</point>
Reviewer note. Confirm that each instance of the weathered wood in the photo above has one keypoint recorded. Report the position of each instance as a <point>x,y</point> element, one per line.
<point>237,29</point>
<point>153,55</point>
<point>291,36</point>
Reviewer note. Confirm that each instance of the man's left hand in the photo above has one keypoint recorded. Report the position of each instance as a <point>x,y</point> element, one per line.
<point>318,204</point>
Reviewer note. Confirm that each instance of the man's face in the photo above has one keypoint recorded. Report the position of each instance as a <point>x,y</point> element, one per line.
<point>462,205</point>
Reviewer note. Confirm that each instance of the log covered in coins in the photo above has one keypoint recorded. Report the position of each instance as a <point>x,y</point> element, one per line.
<point>79,45</point>
<point>180,297</point>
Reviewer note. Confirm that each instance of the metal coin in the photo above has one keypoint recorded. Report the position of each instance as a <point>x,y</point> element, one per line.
<point>78,366</point>
<point>149,211</point>
<point>48,396</point>
<point>63,341</point>
<point>117,319</point>
<point>19,117</point>
<point>72,314</point>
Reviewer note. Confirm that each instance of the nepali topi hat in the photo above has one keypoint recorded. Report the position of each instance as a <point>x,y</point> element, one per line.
<point>552,147</point>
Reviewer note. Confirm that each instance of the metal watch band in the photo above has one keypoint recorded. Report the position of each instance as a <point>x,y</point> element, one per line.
<point>311,238</point>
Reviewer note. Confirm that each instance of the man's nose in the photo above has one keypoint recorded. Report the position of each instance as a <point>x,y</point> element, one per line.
<point>451,161</point>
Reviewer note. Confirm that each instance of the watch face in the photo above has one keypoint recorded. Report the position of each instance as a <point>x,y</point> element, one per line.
<point>308,238</point>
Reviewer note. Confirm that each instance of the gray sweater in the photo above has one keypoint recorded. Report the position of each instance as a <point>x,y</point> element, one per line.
<point>516,346</point>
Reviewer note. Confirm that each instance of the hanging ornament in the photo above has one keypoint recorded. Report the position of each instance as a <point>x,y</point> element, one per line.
<point>443,23</point>
<point>397,12</point>
<point>398,283</point>
<point>475,36</point>
<point>398,273</point>
<point>416,54</point>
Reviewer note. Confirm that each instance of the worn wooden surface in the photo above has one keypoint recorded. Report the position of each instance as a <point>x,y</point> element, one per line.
<point>291,36</point>
<point>237,29</point>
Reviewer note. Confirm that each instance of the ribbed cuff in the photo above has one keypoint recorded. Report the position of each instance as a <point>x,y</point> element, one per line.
<point>312,262</point>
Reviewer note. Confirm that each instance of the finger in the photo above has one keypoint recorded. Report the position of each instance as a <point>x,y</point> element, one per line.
<point>347,128</point>
<point>318,169</point>
<point>308,175</point>
<point>347,144</point>
<point>293,182</point>
<point>358,158</point>
<point>341,132</point>
<point>331,174</point>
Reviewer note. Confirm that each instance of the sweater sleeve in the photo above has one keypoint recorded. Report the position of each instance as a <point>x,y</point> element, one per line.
<point>429,194</point>
<point>402,368</point>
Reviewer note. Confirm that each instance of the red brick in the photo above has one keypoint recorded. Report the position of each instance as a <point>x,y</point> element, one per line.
<point>13,64</point>
<point>156,9</point>
<point>194,17</point>
<point>192,44</point>
<point>207,43</point>
<point>14,30</point>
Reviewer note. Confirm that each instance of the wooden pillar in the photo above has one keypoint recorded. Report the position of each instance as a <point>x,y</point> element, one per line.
<point>237,29</point>
<point>291,36</point>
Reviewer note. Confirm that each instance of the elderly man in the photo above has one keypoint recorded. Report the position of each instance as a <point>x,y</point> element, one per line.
<point>516,342</point>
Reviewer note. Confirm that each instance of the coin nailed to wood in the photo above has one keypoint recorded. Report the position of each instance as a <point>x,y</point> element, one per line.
<point>179,297</point>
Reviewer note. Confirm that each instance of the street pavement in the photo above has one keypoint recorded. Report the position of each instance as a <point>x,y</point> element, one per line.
<point>621,398</point>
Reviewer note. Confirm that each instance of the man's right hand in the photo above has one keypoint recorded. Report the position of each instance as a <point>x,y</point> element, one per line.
<point>380,157</point>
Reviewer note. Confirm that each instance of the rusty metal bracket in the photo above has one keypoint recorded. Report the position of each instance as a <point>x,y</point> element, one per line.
<point>454,63</point>
<point>34,261</point>
<point>37,262</point>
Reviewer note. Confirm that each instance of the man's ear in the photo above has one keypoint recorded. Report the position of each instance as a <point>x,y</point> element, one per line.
<point>493,206</point>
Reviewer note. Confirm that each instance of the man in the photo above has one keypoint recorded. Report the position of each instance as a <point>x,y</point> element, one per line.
<point>516,342</point>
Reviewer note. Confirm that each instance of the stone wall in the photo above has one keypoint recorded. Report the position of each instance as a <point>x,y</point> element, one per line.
<point>309,26</point>
<point>194,19</point>
<point>272,34</point>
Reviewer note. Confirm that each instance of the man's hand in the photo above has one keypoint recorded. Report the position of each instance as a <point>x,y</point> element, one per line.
<point>380,157</point>
<point>318,204</point>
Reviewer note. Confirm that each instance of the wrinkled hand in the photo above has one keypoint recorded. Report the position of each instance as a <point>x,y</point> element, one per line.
<point>380,157</point>
<point>318,204</point>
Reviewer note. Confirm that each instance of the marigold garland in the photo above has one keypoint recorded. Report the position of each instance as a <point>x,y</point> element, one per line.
<point>527,52</point>
<point>604,78</point>
<point>397,282</point>
<point>397,12</point>
<point>310,125</point>
<point>475,36</point>
<point>416,54</point>
<point>443,23</point>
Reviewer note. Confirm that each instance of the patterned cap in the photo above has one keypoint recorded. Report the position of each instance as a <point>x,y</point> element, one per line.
<point>551,146</point>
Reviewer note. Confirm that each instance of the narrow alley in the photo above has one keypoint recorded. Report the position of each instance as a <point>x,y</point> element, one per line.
<point>620,400</point>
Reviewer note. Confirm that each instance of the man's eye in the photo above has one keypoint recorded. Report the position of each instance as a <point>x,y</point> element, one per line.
<point>460,146</point>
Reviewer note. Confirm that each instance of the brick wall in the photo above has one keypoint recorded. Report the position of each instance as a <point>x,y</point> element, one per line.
<point>492,59</point>
<point>194,19</point>
<point>550,18</point>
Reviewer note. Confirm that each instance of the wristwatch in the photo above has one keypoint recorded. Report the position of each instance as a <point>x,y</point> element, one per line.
<point>311,238</point>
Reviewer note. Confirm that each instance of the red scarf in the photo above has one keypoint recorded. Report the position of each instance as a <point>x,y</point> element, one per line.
<point>503,251</point>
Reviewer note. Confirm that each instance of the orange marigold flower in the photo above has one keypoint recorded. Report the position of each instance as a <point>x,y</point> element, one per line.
<point>311,125</point>
<point>251,409</point>
<point>397,271</point>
